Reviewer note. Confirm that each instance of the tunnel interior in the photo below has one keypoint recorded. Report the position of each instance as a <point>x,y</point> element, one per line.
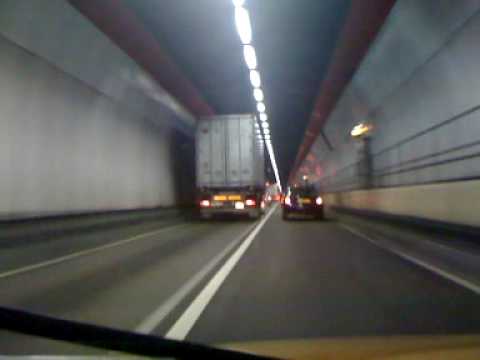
<point>142,147</point>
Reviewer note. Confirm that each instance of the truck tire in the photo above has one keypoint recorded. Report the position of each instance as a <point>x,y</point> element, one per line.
<point>285,215</point>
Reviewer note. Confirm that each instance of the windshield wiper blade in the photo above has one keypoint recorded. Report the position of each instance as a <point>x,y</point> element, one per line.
<point>27,323</point>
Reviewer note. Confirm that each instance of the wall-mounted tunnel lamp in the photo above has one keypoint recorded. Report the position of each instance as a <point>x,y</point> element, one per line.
<point>361,130</point>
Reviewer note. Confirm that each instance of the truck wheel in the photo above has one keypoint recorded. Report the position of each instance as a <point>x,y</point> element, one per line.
<point>319,216</point>
<point>284,215</point>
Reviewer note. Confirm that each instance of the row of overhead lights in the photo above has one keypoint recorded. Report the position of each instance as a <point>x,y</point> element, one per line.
<point>244,29</point>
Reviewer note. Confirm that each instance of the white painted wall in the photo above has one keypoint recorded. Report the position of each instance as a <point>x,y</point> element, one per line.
<point>58,33</point>
<point>76,134</point>
<point>446,202</point>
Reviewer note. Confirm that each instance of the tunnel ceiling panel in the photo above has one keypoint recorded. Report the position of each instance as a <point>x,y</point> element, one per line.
<point>294,41</point>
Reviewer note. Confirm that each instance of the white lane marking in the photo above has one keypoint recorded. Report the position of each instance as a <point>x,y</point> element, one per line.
<point>154,319</point>
<point>84,252</point>
<point>186,321</point>
<point>433,268</point>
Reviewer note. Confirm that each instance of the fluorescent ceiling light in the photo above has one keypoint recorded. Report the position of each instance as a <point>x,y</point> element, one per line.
<point>261,107</point>
<point>250,57</point>
<point>258,94</point>
<point>255,79</point>
<point>244,28</point>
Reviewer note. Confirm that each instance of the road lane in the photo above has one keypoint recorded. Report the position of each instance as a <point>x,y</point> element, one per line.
<point>118,287</point>
<point>296,279</point>
<point>187,320</point>
<point>17,253</point>
<point>313,279</point>
<point>69,256</point>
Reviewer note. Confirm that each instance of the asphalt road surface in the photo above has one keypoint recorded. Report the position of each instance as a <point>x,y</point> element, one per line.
<point>226,281</point>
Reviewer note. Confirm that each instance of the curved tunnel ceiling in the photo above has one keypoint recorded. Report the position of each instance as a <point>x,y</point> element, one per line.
<point>193,50</point>
<point>294,42</point>
<point>363,23</point>
<point>125,29</point>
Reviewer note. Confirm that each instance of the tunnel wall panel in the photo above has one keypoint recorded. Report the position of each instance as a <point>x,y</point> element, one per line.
<point>57,32</point>
<point>447,202</point>
<point>419,86</point>
<point>67,143</point>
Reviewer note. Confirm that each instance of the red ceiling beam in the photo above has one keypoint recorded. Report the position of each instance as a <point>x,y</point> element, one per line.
<point>364,20</point>
<point>123,27</point>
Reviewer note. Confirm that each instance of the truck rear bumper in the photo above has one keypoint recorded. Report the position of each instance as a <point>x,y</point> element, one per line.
<point>210,212</point>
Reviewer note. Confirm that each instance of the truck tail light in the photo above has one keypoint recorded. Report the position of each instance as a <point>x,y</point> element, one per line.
<point>288,201</point>
<point>319,200</point>
<point>204,203</point>
<point>239,205</point>
<point>250,202</point>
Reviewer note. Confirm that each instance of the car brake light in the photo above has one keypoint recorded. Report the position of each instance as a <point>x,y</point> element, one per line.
<point>288,201</point>
<point>319,200</point>
<point>250,202</point>
<point>205,203</point>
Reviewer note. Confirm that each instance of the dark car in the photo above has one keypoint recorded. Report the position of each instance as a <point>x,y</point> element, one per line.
<point>302,200</point>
